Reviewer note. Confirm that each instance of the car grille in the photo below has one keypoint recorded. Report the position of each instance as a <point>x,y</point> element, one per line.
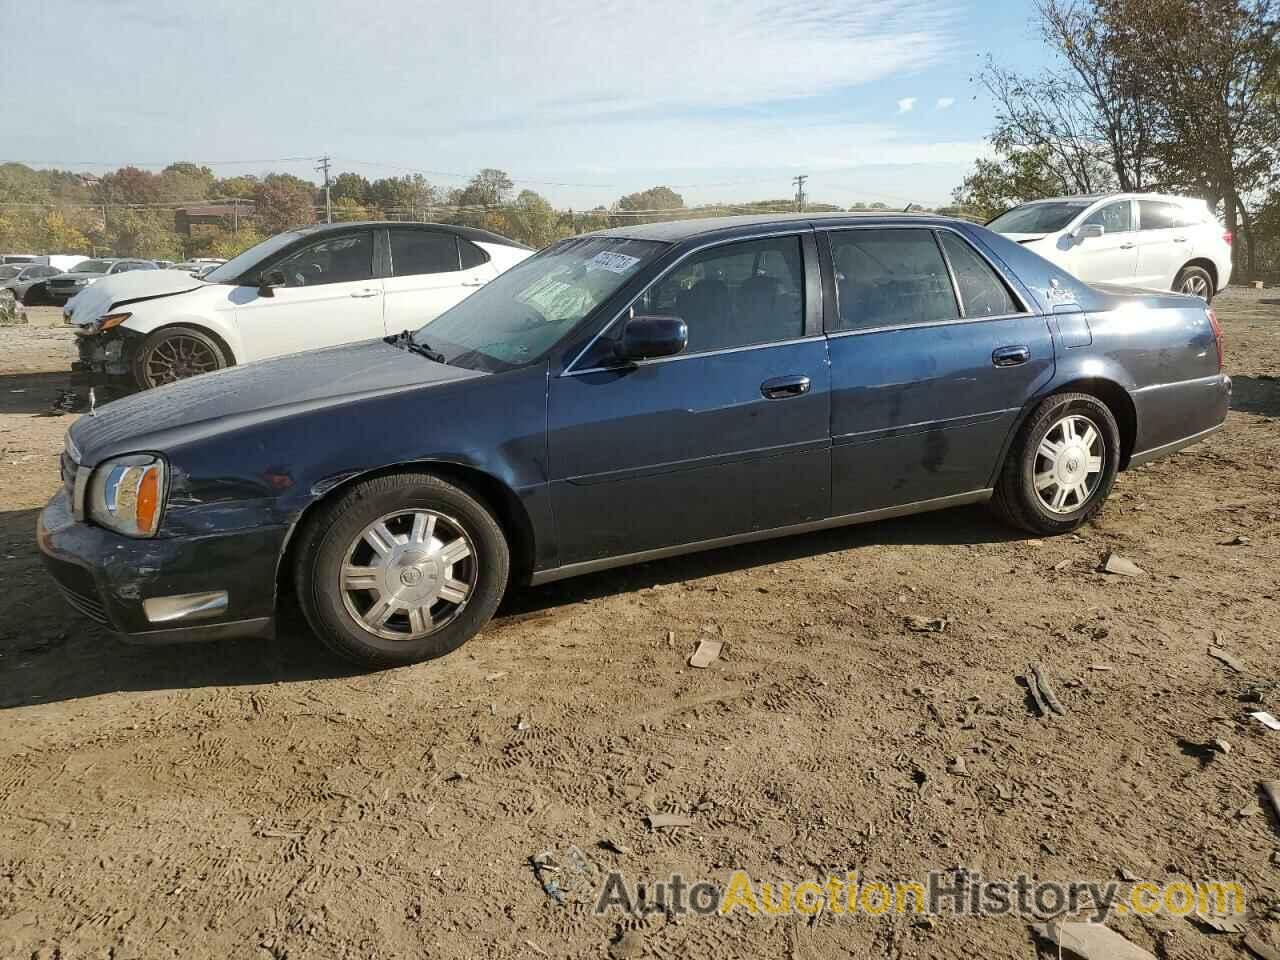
<point>90,606</point>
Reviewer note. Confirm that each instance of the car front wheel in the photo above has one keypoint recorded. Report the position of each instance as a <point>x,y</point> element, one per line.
<point>175,353</point>
<point>400,569</point>
<point>1062,465</point>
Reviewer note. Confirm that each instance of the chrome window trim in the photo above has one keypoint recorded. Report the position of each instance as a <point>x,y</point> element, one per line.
<point>933,228</point>
<point>693,356</point>
<point>569,369</point>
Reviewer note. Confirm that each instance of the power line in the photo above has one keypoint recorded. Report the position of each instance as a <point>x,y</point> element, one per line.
<point>167,163</point>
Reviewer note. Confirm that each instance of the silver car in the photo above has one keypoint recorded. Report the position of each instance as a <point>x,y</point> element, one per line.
<point>20,277</point>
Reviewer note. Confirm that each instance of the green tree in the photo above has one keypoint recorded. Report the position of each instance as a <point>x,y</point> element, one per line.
<point>997,184</point>
<point>283,201</point>
<point>532,220</point>
<point>350,186</point>
<point>144,233</point>
<point>400,198</point>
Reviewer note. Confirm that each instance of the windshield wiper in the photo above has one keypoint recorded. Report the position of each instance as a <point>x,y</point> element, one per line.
<point>404,340</point>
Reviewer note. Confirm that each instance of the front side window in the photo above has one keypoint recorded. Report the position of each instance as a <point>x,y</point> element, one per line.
<point>517,317</point>
<point>416,252</point>
<point>8,273</point>
<point>982,292</point>
<point>734,295</point>
<point>890,277</point>
<point>1114,217</point>
<point>241,267</point>
<point>343,259</point>
<point>1157,215</point>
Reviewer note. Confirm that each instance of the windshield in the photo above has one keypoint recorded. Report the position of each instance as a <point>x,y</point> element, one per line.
<point>1038,217</point>
<point>518,317</point>
<point>93,266</point>
<point>237,266</point>
<point>8,273</point>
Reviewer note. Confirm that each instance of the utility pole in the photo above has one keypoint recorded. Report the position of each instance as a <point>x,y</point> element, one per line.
<point>799,182</point>
<point>328,201</point>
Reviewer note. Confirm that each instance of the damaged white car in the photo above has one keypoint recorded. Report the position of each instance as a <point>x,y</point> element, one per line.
<point>301,290</point>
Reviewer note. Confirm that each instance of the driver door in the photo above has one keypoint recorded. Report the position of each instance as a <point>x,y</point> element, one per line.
<point>331,296</point>
<point>1112,257</point>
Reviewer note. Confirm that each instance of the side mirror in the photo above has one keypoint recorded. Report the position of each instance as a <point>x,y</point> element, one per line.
<point>645,338</point>
<point>1089,231</point>
<point>269,281</point>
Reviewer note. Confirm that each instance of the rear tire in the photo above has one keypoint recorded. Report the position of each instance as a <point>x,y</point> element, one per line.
<point>1061,467</point>
<point>1195,281</point>
<point>175,353</point>
<point>400,569</point>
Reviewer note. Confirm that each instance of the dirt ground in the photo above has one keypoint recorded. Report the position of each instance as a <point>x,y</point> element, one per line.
<point>260,800</point>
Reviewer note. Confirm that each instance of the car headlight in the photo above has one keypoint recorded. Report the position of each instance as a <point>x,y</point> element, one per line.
<point>127,494</point>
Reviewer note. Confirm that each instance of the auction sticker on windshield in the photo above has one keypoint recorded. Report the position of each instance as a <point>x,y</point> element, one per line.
<point>613,262</point>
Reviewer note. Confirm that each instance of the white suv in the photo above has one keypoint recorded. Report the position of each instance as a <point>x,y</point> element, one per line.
<point>309,288</point>
<point>1135,239</point>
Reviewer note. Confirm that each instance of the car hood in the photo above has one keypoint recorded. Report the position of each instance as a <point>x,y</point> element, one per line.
<point>256,392</point>
<point>97,299</point>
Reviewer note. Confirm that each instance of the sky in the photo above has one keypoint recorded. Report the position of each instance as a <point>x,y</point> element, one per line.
<point>581,100</point>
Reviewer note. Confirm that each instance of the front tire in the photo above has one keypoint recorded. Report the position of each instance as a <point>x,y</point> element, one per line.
<point>401,569</point>
<point>1195,281</point>
<point>1062,466</point>
<point>175,353</point>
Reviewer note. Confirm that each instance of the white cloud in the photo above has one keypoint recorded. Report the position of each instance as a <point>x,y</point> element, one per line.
<point>945,103</point>
<point>907,104</point>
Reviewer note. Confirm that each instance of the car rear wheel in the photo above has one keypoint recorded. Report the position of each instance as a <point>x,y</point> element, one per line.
<point>1195,281</point>
<point>1062,466</point>
<point>400,569</point>
<point>175,353</point>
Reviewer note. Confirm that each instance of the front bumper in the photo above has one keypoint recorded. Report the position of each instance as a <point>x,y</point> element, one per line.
<point>102,353</point>
<point>109,577</point>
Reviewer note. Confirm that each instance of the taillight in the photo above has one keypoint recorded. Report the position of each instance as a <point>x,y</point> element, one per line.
<point>1217,332</point>
<point>1226,235</point>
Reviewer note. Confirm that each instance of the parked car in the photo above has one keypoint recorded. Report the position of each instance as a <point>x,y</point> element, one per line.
<point>63,287</point>
<point>18,258</point>
<point>300,290</point>
<point>20,277</point>
<point>197,266</point>
<point>1135,239</point>
<point>625,396</point>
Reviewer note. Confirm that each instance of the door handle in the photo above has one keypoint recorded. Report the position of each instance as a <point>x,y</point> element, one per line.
<point>473,283</point>
<point>780,388</point>
<point>364,294</point>
<point>1179,239</point>
<point>1126,246</point>
<point>1010,356</point>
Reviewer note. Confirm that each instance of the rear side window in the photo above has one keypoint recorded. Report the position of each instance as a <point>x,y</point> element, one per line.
<point>416,252</point>
<point>982,292</point>
<point>889,278</point>
<point>472,255</point>
<point>1157,215</point>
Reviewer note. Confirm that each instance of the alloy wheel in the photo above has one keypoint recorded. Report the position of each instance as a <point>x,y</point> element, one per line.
<point>409,574</point>
<point>1069,464</point>
<point>1196,285</point>
<point>177,358</point>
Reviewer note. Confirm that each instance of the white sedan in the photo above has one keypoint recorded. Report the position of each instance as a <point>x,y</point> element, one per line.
<point>300,290</point>
<point>1156,241</point>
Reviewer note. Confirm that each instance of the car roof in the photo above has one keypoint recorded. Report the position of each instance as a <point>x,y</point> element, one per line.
<point>1094,197</point>
<point>673,231</point>
<point>474,234</point>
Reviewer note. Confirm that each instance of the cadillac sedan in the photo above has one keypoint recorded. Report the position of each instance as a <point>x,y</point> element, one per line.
<point>625,396</point>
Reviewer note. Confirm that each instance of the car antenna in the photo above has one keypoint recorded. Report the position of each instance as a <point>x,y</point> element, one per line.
<point>907,208</point>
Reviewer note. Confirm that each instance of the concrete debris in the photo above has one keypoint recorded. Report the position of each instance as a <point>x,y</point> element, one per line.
<point>1091,941</point>
<point>1114,563</point>
<point>708,652</point>
<point>926,624</point>
<point>1235,663</point>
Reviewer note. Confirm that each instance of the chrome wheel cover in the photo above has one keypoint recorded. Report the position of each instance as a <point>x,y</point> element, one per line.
<point>1069,464</point>
<point>408,574</point>
<point>1197,286</point>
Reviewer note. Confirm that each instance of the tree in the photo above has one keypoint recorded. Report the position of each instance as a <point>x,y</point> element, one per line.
<point>532,220</point>
<point>1209,74</point>
<point>349,186</point>
<point>488,188</point>
<point>243,187</point>
<point>62,234</point>
<point>655,198</point>
<point>282,201</point>
<point>182,182</point>
<point>995,185</point>
<point>348,210</point>
<point>402,197</point>
<point>144,233</point>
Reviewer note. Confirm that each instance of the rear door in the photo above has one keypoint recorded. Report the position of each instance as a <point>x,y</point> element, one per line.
<point>430,272</point>
<point>726,438</point>
<point>1112,257</point>
<point>933,355</point>
<point>331,296</point>
<point>1163,245</point>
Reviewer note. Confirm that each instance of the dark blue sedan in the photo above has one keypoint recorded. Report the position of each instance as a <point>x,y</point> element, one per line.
<point>625,396</point>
